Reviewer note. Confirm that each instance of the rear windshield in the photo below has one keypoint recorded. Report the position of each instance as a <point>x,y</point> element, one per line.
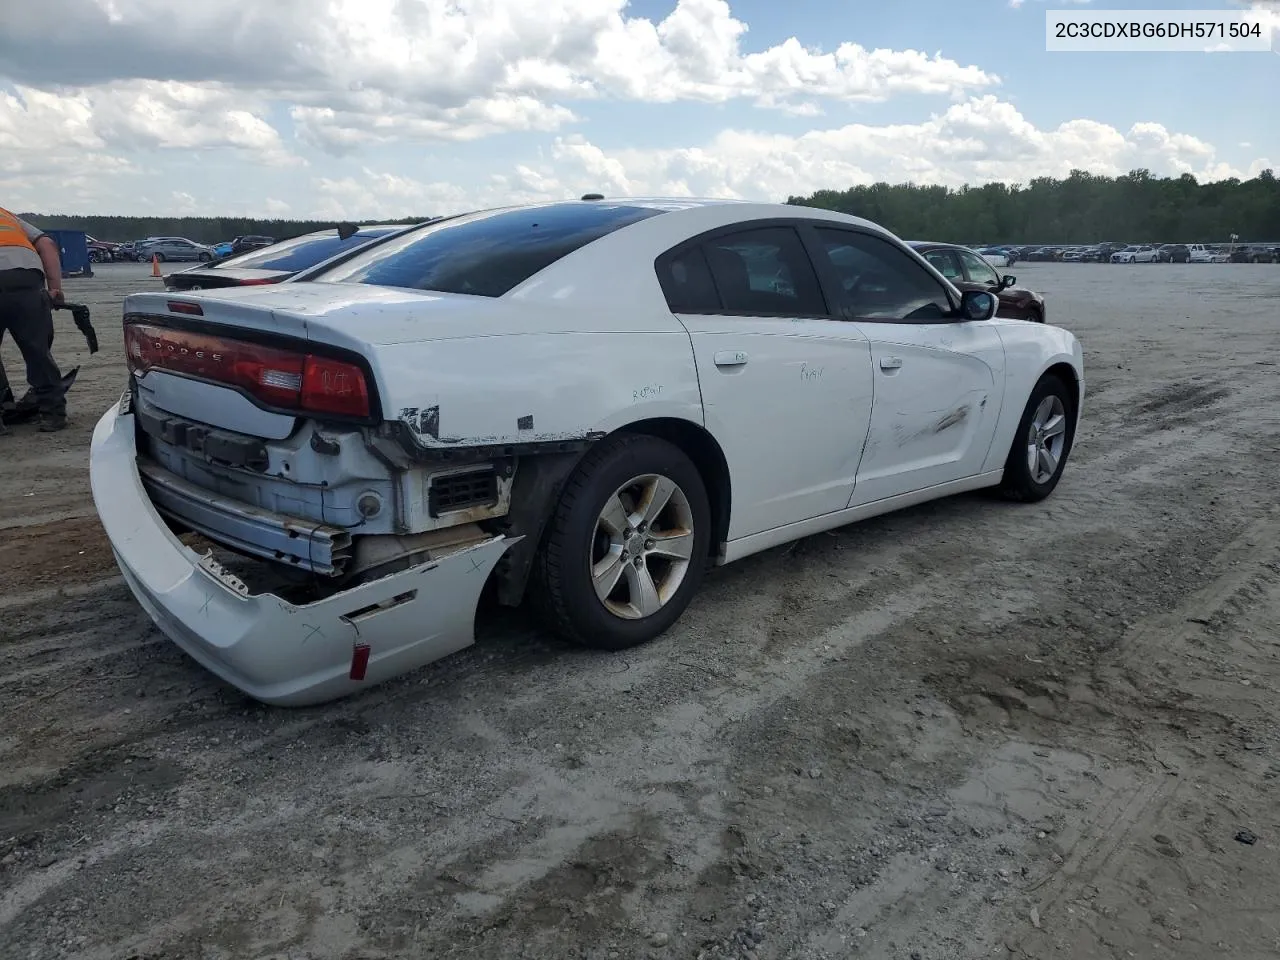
<point>487,253</point>
<point>302,252</point>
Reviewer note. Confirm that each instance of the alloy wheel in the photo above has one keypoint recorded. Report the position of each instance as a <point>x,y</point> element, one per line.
<point>1046,438</point>
<point>642,547</point>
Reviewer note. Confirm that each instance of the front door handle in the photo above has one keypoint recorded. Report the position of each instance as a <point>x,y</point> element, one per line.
<point>730,358</point>
<point>890,363</point>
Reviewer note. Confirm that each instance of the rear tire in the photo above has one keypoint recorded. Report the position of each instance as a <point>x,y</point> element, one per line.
<point>611,574</point>
<point>1042,443</point>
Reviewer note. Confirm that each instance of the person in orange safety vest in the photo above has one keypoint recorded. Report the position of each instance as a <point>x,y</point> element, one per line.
<point>30,285</point>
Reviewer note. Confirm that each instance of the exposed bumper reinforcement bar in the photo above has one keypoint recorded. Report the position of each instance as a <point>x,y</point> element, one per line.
<point>303,544</point>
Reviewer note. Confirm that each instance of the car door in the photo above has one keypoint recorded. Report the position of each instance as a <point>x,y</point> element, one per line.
<point>786,387</point>
<point>939,379</point>
<point>980,276</point>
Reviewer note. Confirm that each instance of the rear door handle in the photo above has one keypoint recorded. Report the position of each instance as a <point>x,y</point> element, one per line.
<point>730,358</point>
<point>890,363</point>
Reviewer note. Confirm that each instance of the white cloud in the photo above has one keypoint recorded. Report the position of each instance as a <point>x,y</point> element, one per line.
<point>974,142</point>
<point>371,70</point>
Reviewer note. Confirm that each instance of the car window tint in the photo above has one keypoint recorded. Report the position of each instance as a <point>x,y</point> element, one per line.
<point>764,272</point>
<point>687,284</point>
<point>944,263</point>
<point>880,282</point>
<point>486,253</point>
<point>978,269</point>
<point>302,252</point>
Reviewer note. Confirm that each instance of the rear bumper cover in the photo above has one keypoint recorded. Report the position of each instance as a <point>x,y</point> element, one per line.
<point>275,651</point>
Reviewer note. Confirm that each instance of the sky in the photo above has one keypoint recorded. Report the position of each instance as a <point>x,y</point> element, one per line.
<point>389,108</point>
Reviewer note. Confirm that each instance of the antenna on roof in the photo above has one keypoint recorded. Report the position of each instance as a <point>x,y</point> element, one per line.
<point>347,230</point>
<point>593,196</point>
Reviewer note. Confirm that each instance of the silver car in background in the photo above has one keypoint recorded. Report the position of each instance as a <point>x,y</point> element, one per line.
<point>173,248</point>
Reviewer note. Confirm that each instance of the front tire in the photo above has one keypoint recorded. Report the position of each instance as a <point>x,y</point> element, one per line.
<point>627,545</point>
<point>1042,442</point>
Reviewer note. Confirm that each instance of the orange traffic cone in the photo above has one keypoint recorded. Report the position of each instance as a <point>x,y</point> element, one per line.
<point>155,265</point>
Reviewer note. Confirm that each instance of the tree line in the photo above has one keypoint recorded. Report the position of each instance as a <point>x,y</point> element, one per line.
<point>200,229</point>
<point>1083,208</point>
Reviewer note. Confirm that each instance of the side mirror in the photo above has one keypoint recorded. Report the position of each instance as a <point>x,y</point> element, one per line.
<point>1007,281</point>
<point>977,305</point>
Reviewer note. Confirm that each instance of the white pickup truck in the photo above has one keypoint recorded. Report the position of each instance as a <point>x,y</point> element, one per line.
<point>1202,254</point>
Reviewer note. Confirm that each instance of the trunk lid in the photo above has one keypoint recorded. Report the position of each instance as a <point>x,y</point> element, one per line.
<point>352,315</point>
<point>209,278</point>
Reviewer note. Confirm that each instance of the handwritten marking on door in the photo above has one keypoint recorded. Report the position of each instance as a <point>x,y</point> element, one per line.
<point>810,374</point>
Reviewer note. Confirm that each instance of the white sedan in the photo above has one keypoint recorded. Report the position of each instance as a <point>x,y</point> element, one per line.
<point>308,484</point>
<point>1143,253</point>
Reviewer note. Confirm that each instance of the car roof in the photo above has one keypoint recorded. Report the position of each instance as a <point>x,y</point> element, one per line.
<point>920,244</point>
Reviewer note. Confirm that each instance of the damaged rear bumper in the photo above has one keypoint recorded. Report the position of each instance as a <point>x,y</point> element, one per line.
<point>275,651</point>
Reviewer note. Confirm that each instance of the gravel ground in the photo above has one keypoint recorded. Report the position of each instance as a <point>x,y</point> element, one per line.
<point>969,729</point>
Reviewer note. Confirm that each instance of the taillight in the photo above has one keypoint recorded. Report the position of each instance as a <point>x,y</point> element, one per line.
<point>279,378</point>
<point>258,281</point>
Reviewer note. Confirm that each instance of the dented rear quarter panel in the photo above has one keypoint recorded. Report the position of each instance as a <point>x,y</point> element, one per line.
<point>537,387</point>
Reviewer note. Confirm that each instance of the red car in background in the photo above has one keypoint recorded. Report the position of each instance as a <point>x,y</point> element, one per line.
<point>969,271</point>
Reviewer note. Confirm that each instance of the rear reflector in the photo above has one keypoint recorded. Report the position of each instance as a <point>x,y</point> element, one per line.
<point>359,661</point>
<point>284,379</point>
<point>259,280</point>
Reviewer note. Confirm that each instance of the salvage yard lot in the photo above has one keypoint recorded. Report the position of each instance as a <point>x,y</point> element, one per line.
<point>967,729</point>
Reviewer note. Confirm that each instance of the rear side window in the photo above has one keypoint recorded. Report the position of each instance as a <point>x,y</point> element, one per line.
<point>764,272</point>
<point>686,282</point>
<point>488,253</point>
<point>301,252</point>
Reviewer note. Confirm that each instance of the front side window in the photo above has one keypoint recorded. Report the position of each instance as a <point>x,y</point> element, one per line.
<point>880,282</point>
<point>487,253</point>
<point>764,271</point>
<point>979,270</point>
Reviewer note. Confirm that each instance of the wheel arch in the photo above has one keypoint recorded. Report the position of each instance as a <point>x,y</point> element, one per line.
<point>540,478</point>
<point>701,447</point>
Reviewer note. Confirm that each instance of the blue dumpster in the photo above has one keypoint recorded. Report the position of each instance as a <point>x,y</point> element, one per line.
<point>73,246</point>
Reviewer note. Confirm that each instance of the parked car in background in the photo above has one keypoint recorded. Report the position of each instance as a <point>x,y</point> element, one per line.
<point>393,423</point>
<point>222,249</point>
<point>101,251</point>
<point>280,261</point>
<point>998,256</point>
<point>970,271</point>
<point>1138,253</point>
<point>1252,253</point>
<point>1200,253</point>
<point>1174,253</point>
<point>173,248</point>
<point>1043,254</point>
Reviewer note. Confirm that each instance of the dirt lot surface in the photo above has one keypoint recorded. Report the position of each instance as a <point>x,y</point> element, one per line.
<point>971,729</point>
